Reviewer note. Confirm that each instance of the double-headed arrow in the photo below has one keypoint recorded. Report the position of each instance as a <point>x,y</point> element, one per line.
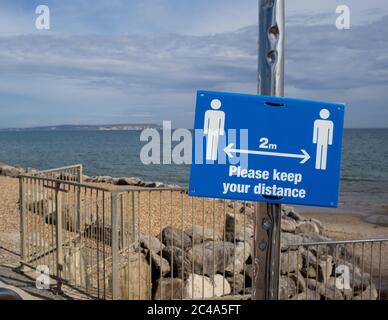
<point>229,150</point>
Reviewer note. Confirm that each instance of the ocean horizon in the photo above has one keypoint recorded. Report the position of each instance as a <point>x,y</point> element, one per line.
<point>364,173</point>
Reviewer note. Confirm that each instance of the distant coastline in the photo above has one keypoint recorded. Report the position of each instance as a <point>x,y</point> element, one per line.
<point>81,127</point>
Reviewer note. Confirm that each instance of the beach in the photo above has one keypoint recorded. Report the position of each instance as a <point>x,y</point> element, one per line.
<point>337,225</point>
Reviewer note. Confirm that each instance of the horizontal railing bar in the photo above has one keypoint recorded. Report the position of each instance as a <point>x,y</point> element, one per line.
<point>61,168</point>
<point>118,190</point>
<point>72,183</point>
<point>139,189</point>
<point>308,244</point>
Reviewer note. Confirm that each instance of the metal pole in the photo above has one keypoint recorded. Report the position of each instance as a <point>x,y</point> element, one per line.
<point>270,83</point>
<point>23,231</point>
<point>59,235</point>
<point>115,246</point>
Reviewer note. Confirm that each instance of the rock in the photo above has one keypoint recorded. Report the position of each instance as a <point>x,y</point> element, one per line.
<point>160,265</point>
<point>307,228</point>
<point>287,288</point>
<point>347,293</point>
<point>357,279</point>
<point>315,237</point>
<point>236,283</point>
<point>291,213</point>
<point>245,209</point>
<point>249,272</point>
<point>154,184</point>
<point>308,257</point>
<point>327,291</point>
<point>238,227</point>
<point>199,287</point>
<point>300,281</point>
<point>217,256</point>
<point>290,239</point>
<point>309,272</point>
<point>307,295</point>
<point>319,224</point>
<point>179,261</point>
<point>325,268</point>
<point>169,289</point>
<point>198,234</point>
<point>175,237</point>
<point>290,261</point>
<point>103,179</point>
<point>288,225</point>
<point>11,171</point>
<point>151,243</point>
<point>135,276</point>
<point>238,259</point>
<point>125,181</point>
<point>370,293</point>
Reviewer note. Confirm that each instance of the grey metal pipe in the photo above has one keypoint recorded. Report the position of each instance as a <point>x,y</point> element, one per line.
<point>270,83</point>
<point>271,47</point>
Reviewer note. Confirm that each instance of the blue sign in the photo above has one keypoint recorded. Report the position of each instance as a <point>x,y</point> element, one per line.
<point>266,149</point>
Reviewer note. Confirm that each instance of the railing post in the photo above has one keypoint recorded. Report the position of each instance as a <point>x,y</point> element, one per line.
<point>81,174</point>
<point>270,83</point>
<point>115,246</point>
<point>59,235</point>
<point>23,231</point>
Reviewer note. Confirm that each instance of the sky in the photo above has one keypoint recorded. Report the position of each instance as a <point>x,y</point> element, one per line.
<point>131,61</point>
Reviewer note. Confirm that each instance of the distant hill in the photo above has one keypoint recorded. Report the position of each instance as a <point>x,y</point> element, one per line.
<point>99,127</point>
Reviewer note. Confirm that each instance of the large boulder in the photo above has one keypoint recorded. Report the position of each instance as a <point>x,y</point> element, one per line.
<point>160,265</point>
<point>307,295</point>
<point>370,293</point>
<point>151,243</point>
<point>238,227</point>
<point>198,287</point>
<point>175,237</point>
<point>217,256</point>
<point>239,258</point>
<point>287,288</point>
<point>179,261</point>
<point>127,181</point>
<point>290,261</point>
<point>288,225</point>
<point>199,234</point>
<point>10,171</point>
<point>327,291</point>
<point>288,239</point>
<point>135,276</point>
<point>307,228</point>
<point>169,289</point>
<point>325,267</point>
<point>237,283</point>
<point>291,213</point>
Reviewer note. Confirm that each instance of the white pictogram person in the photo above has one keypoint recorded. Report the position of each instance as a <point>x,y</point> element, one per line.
<point>213,128</point>
<point>323,137</point>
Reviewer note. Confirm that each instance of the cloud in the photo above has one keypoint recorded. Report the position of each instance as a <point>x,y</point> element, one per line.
<point>56,78</point>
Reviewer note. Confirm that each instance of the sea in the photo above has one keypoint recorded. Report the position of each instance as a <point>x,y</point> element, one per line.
<point>364,173</point>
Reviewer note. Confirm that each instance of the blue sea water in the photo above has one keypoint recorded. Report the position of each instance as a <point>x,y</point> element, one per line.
<point>364,183</point>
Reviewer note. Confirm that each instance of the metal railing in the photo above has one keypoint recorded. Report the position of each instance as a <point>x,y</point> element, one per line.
<point>102,241</point>
<point>72,173</point>
<point>160,243</point>
<point>334,270</point>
